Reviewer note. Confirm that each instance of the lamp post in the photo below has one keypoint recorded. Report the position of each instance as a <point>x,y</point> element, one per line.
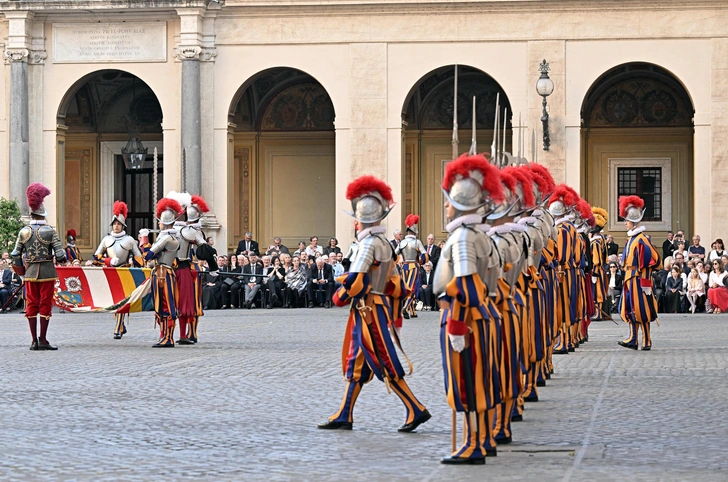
<point>134,152</point>
<point>544,87</point>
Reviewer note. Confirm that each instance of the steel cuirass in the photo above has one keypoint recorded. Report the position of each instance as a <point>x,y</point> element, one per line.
<point>374,248</point>
<point>410,248</point>
<point>118,247</point>
<point>40,245</point>
<point>166,247</point>
<point>466,252</point>
<point>189,237</point>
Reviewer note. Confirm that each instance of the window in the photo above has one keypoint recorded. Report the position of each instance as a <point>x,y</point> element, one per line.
<point>645,182</point>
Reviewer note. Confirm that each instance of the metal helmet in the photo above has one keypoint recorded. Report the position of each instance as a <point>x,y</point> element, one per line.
<point>371,199</point>
<point>632,208</point>
<point>196,208</point>
<point>168,210</point>
<point>121,211</point>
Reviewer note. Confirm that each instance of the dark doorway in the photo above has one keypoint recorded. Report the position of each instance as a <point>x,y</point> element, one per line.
<point>137,191</point>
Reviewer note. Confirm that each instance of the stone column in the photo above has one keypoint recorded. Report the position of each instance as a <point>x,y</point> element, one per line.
<point>18,129</point>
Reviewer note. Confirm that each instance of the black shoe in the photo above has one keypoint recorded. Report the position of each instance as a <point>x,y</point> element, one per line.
<point>274,299</point>
<point>541,383</point>
<point>327,304</point>
<point>34,345</point>
<point>117,336</point>
<point>572,349</point>
<point>462,461</point>
<point>46,346</point>
<point>548,376</point>
<point>163,345</point>
<point>491,452</point>
<point>405,315</point>
<point>532,398</point>
<point>414,315</point>
<point>310,305</point>
<point>224,308</point>
<point>333,425</point>
<point>561,352</point>
<point>646,348</point>
<point>516,418</point>
<point>185,341</point>
<point>424,417</point>
<point>270,306</point>
<point>627,345</point>
<point>503,441</point>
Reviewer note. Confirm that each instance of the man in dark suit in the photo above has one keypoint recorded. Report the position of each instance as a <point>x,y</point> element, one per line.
<point>667,246</point>
<point>612,247</point>
<point>6,279</point>
<point>426,278</point>
<point>276,249</point>
<point>320,284</point>
<point>397,238</point>
<point>252,283</point>
<point>433,251</point>
<point>248,244</point>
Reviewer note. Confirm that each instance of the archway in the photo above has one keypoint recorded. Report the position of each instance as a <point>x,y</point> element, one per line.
<point>637,138</point>
<point>96,118</point>
<point>283,158</point>
<point>427,135</point>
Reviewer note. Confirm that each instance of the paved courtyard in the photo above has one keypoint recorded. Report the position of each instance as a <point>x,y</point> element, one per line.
<point>244,403</point>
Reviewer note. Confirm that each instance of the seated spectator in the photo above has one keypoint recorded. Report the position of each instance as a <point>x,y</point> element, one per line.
<point>320,284</point>
<point>441,244</point>
<point>724,261</point>
<point>426,295</point>
<point>230,286</point>
<point>296,278</point>
<point>276,249</point>
<point>276,282</point>
<point>247,245</point>
<point>336,265</point>
<point>301,249</point>
<point>286,261</point>
<point>667,246</point>
<point>717,292</point>
<point>680,250</point>
<point>211,288</point>
<point>612,247</point>
<point>680,262</point>
<point>673,290</point>
<point>696,251</point>
<point>614,284</point>
<point>313,249</point>
<point>718,250</point>
<point>333,247</point>
<point>252,281</point>
<point>210,243</point>
<point>6,279</point>
<point>696,290</point>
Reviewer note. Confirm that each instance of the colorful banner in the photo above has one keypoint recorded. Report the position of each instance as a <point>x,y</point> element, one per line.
<point>91,288</point>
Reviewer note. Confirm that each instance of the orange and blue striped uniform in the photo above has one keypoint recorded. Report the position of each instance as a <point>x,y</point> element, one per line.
<point>511,373</point>
<point>469,306</point>
<point>599,273</point>
<point>566,311</point>
<point>639,309</point>
<point>549,265</point>
<point>368,325</point>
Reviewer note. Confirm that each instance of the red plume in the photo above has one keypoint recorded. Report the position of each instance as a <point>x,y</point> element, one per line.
<point>592,221</point>
<point>465,164</point>
<point>625,201</point>
<point>411,219</point>
<point>71,232</point>
<point>509,180</point>
<point>544,174</point>
<point>584,209</point>
<point>201,204</point>
<point>35,194</point>
<point>564,193</point>
<point>525,179</point>
<point>120,208</point>
<point>366,184</point>
<point>166,203</point>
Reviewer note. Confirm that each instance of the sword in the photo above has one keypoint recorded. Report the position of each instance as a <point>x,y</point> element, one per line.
<point>363,309</point>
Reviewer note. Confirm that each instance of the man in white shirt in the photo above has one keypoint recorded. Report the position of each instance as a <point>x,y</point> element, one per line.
<point>314,249</point>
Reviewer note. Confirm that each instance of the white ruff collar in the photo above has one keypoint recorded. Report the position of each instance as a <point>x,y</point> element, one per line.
<point>538,213</point>
<point>38,222</point>
<point>462,220</point>
<point>502,229</point>
<point>373,230</point>
<point>517,227</point>
<point>527,220</point>
<point>485,227</point>
<point>568,217</point>
<point>171,231</point>
<point>118,235</point>
<point>636,230</point>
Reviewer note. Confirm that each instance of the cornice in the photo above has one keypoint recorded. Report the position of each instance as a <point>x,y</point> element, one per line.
<point>101,5</point>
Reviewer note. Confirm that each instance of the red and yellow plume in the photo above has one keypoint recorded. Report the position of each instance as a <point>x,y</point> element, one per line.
<point>411,220</point>
<point>35,194</point>
<point>120,207</point>
<point>201,204</point>
<point>366,184</point>
<point>626,201</point>
<point>166,203</point>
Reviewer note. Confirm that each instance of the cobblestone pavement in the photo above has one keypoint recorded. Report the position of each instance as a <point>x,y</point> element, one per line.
<point>244,403</point>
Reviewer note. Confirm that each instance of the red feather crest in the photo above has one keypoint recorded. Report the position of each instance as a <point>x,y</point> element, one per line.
<point>564,193</point>
<point>584,209</point>
<point>525,179</point>
<point>71,232</point>
<point>411,219</point>
<point>166,203</point>
<point>592,221</point>
<point>120,208</point>
<point>626,201</point>
<point>201,204</point>
<point>35,194</point>
<point>508,179</point>
<point>465,164</point>
<point>544,176</point>
<point>366,184</point>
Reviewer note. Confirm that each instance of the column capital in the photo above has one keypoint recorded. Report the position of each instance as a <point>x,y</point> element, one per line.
<point>12,55</point>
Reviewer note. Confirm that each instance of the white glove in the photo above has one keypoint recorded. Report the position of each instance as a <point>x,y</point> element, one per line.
<point>457,342</point>
<point>114,261</point>
<point>647,290</point>
<point>594,279</point>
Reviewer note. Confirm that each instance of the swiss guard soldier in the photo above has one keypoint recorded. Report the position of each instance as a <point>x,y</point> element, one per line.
<point>413,254</point>
<point>598,247</point>
<point>640,258</point>
<point>117,246</point>
<point>164,284</point>
<point>144,243</point>
<point>193,246</point>
<point>369,288</point>
<point>39,244</point>
<point>72,252</point>
<point>470,322</point>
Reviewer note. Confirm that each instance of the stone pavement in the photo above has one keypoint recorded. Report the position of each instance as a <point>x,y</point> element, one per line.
<point>244,403</point>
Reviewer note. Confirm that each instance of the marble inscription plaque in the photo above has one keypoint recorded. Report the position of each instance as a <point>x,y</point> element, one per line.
<point>110,42</point>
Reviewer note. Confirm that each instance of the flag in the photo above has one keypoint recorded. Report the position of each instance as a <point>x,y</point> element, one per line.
<point>93,289</point>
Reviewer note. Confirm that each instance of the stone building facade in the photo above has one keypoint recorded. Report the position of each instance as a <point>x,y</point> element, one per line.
<point>269,108</point>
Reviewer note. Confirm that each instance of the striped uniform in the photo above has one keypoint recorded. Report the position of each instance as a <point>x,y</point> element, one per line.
<point>599,273</point>
<point>566,309</point>
<point>639,260</point>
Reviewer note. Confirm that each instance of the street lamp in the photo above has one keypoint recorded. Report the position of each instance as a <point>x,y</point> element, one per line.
<point>134,152</point>
<point>544,87</point>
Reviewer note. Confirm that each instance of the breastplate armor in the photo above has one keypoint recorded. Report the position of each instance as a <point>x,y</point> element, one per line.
<point>535,244</point>
<point>189,237</point>
<point>352,253</point>
<point>166,248</point>
<point>410,249</point>
<point>510,253</point>
<point>374,248</point>
<point>466,252</point>
<point>121,248</point>
<point>39,243</point>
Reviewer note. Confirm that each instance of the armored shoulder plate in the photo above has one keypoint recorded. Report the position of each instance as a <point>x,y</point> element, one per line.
<point>45,234</point>
<point>25,234</point>
<point>127,243</point>
<point>188,233</point>
<point>374,248</point>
